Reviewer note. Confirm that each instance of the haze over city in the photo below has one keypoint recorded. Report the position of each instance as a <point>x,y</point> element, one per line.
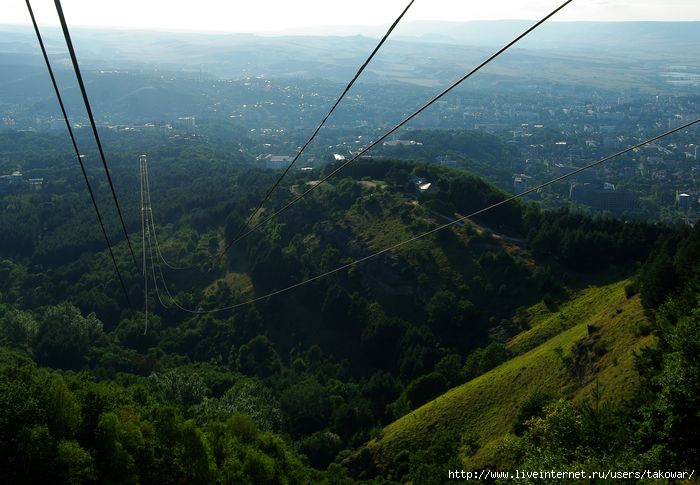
<point>304,15</point>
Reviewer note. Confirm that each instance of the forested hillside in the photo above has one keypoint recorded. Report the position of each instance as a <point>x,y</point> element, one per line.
<point>606,380</point>
<point>287,389</point>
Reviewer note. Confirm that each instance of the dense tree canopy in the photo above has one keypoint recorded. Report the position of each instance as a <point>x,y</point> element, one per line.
<point>280,391</point>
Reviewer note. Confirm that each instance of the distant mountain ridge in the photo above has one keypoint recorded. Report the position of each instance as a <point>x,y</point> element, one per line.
<point>564,35</point>
<point>606,55</point>
<point>577,35</point>
<point>644,38</point>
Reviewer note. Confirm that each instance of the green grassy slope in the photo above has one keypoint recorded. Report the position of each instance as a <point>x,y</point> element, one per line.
<point>589,305</point>
<point>589,339</point>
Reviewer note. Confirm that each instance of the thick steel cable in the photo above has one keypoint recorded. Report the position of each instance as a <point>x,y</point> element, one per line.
<point>159,253</point>
<point>77,151</point>
<point>143,208</point>
<point>318,128</point>
<point>395,128</point>
<point>155,280</point>
<point>165,286</point>
<point>144,225</point>
<point>86,101</point>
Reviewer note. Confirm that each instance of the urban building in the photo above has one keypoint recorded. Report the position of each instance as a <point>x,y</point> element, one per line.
<point>405,143</point>
<point>687,199</point>
<point>276,162</point>
<point>520,183</point>
<point>603,197</point>
<point>186,123</point>
<point>36,184</point>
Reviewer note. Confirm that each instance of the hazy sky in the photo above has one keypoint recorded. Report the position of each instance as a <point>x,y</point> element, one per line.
<point>276,15</point>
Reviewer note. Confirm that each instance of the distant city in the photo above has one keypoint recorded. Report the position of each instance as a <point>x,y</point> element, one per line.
<point>551,121</point>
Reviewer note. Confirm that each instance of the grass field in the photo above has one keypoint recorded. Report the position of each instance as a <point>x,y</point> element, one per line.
<point>487,407</point>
